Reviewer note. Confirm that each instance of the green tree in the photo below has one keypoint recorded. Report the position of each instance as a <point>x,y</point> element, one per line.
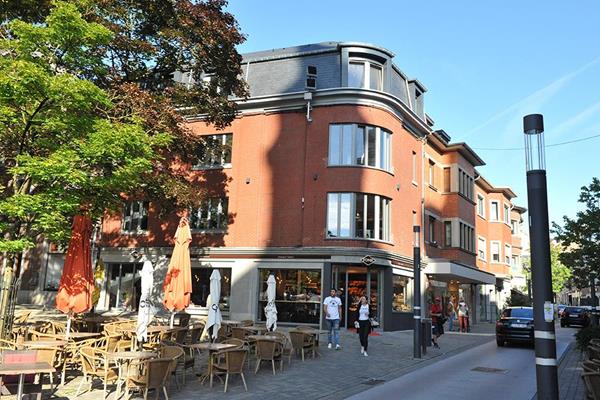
<point>561,274</point>
<point>580,237</point>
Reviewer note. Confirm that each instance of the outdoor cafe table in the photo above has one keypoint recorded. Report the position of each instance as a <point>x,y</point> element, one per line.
<point>122,359</point>
<point>23,369</point>
<point>44,343</point>
<point>254,329</point>
<point>82,335</point>
<point>230,322</point>
<point>211,347</point>
<point>264,337</point>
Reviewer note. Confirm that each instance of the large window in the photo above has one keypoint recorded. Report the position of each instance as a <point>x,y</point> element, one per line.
<point>465,184</point>
<point>495,250</point>
<point>215,151</point>
<point>135,217</point>
<point>297,295</point>
<point>481,249</point>
<point>365,74</point>
<point>358,215</point>
<point>467,234</point>
<point>402,300</point>
<point>480,206</point>
<point>506,214</point>
<point>201,286</point>
<point>514,227</point>
<point>353,144</point>
<point>211,215</point>
<point>448,233</point>
<point>494,211</point>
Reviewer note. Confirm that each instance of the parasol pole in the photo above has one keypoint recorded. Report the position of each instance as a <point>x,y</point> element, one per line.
<point>172,319</point>
<point>69,315</point>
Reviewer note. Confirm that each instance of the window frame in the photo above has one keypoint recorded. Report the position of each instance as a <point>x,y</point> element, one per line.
<point>431,174</point>
<point>492,242</point>
<point>507,253</point>
<point>506,213</point>
<point>366,79</point>
<point>480,240</point>
<point>447,237</point>
<point>144,207</point>
<point>481,202</point>
<point>223,219</point>
<point>381,217</point>
<point>222,164</point>
<point>383,136</point>
<point>495,218</point>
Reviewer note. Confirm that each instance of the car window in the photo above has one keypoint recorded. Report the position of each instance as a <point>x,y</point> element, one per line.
<point>574,309</point>
<point>518,313</point>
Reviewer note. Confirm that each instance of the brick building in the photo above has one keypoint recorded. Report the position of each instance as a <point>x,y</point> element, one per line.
<point>324,172</point>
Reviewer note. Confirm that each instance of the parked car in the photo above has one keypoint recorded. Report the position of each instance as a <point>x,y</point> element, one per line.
<point>515,325</point>
<point>575,316</point>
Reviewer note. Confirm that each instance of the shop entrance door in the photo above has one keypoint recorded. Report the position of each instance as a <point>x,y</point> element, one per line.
<point>352,283</point>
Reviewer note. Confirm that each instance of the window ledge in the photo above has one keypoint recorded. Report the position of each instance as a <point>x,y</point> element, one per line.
<point>360,239</point>
<point>361,166</point>
<point>482,260</point>
<point>208,231</point>
<point>482,217</point>
<point>415,183</point>
<point>432,187</point>
<point>210,167</point>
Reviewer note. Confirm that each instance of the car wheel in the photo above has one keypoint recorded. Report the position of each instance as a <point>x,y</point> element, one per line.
<point>500,342</point>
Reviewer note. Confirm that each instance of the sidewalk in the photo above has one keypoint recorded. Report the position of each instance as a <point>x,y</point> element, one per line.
<point>571,386</point>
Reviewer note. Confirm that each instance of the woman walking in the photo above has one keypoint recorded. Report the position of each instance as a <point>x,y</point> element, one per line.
<point>363,324</point>
<point>463,315</point>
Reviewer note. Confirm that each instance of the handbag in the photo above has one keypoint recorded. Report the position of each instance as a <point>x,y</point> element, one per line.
<point>356,325</point>
<point>374,322</point>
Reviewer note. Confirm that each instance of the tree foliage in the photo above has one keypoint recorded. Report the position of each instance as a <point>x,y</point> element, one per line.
<point>580,237</point>
<point>561,274</point>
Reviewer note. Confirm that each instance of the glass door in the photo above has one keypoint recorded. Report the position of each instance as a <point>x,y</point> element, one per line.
<point>352,282</point>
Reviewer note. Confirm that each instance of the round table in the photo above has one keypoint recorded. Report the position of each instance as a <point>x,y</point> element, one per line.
<point>122,359</point>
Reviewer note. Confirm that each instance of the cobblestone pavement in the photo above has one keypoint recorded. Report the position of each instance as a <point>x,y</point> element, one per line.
<point>571,385</point>
<point>334,375</point>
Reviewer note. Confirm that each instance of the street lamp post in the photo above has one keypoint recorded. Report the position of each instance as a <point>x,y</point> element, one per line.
<point>417,292</point>
<point>541,276</point>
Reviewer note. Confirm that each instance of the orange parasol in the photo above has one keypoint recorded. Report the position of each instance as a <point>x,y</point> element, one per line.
<point>178,282</point>
<point>77,280</point>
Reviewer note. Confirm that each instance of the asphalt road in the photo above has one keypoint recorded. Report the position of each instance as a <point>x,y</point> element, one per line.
<point>507,373</point>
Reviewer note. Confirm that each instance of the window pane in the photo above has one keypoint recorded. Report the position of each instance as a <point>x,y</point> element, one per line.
<point>347,144</point>
<point>201,286</point>
<point>227,148</point>
<point>372,149</point>
<point>382,149</point>
<point>332,214</point>
<point>370,216</point>
<point>345,214</point>
<point>356,75</point>
<point>360,217</point>
<point>402,299</point>
<point>359,146</point>
<point>375,78</point>
<point>144,216</point>
<point>334,144</point>
<point>383,219</point>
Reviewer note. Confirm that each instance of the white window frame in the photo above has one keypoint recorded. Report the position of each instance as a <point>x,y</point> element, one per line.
<point>482,198</point>
<point>376,215</point>
<point>128,215</point>
<point>367,72</point>
<point>506,213</point>
<point>495,218</point>
<point>222,164</point>
<point>514,227</point>
<point>380,133</point>
<point>507,253</point>
<point>431,172</point>
<point>206,207</point>
<point>492,242</point>
<point>481,239</point>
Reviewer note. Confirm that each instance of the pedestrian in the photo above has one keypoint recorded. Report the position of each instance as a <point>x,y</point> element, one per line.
<point>437,321</point>
<point>333,310</point>
<point>463,316</point>
<point>363,324</point>
<point>451,313</point>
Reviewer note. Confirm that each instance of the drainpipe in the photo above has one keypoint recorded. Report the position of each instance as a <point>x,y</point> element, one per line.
<point>422,240</point>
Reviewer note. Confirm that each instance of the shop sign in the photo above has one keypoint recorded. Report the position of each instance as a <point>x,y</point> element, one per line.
<point>367,260</point>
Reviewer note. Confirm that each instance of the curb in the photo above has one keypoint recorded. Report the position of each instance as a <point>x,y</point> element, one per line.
<point>560,360</point>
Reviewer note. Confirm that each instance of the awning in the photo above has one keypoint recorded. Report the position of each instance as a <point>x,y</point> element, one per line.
<point>444,270</point>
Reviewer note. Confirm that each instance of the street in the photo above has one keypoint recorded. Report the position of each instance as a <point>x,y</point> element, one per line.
<point>504,373</point>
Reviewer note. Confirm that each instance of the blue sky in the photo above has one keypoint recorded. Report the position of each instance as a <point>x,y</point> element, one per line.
<point>485,65</point>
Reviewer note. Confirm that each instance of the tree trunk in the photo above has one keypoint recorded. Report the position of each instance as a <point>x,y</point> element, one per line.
<point>5,295</point>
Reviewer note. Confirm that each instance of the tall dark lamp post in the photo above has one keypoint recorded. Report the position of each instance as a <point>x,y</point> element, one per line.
<point>541,276</point>
<point>417,292</point>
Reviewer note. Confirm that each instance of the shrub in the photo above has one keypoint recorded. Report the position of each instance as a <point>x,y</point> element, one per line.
<point>584,336</point>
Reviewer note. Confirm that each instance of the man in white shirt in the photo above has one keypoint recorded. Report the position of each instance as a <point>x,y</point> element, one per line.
<point>333,310</point>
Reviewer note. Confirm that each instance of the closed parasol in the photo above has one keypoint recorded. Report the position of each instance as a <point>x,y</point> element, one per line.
<point>178,282</point>
<point>271,308</point>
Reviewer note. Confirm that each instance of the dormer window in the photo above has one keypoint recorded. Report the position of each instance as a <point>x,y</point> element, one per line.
<point>365,74</point>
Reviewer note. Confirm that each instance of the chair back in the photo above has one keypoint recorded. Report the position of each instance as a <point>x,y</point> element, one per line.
<point>183,319</point>
<point>267,349</point>
<point>7,345</point>
<point>298,339</point>
<point>285,341</point>
<point>238,342</point>
<point>235,360</point>
<point>195,333</point>
<point>112,342</point>
<point>592,384</point>
<point>171,352</point>
<point>21,317</point>
<point>157,372</point>
<point>48,354</point>
<point>88,360</point>
<point>593,352</point>
<point>239,333</point>
<point>179,335</point>
<point>246,322</point>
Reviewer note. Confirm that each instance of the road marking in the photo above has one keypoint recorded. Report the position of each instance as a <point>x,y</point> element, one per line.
<point>546,362</point>
<point>544,335</point>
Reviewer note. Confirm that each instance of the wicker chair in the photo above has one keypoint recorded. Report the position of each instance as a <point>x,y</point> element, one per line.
<point>95,364</point>
<point>229,362</point>
<point>239,333</point>
<point>195,333</point>
<point>154,376</point>
<point>592,384</point>
<point>593,352</point>
<point>286,345</point>
<point>177,355</point>
<point>268,350</point>
<point>302,341</point>
<point>53,356</point>
<point>7,345</point>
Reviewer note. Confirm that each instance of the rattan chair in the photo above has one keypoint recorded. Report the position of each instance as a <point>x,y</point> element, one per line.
<point>154,375</point>
<point>53,356</point>
<point>592,384</point>
<point>268,350</point>
<point>286,345</point>
<point>302,341</point>
<point>229,362</point>
<point>239,333</point>
<point>95,365</point>
<point>195,331</point>
<point>177,355</point>
<point>593,352</point>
